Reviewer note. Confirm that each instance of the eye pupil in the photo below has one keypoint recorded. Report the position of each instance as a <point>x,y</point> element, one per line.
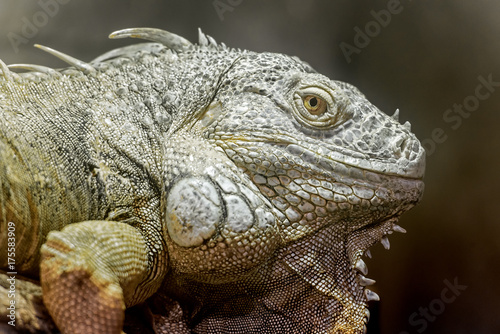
<point>313,102</point>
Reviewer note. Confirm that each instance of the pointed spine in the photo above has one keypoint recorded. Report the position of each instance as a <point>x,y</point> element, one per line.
<point>212,41</point>
<point>80,65</point>
<point>361,267</point>
<point>397,228</point>
<point>36,68</point>
<point>385,242</point>
<point>202,38</point>
<point>371,296</point>
<point>368,253</point>
<point>166,38</point>
<point>395,116</point>
<point>7,74</point>
<point>365,281</point>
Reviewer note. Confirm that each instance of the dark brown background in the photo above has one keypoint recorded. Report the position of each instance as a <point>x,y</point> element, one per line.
<point>427,59</point>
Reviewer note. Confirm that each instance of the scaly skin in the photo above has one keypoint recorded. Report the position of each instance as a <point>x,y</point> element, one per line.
<point>238,189</point>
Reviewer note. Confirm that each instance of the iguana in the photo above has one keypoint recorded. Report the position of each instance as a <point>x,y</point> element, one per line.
<point>239,189</point>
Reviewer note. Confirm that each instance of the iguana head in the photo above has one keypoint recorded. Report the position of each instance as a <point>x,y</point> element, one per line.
<point>338,170</point>
<point>316,147</point>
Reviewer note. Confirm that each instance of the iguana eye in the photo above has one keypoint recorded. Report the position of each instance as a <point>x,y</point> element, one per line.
<point>315,105</point>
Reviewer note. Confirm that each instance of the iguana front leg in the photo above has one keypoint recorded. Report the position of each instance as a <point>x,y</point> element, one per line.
<point>91,271</point>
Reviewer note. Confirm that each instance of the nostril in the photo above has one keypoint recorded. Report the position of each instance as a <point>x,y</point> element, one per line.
<point>405,148</point>
<point>398,146</point>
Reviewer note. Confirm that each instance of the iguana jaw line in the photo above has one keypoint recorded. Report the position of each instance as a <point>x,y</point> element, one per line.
<point>334,159</point>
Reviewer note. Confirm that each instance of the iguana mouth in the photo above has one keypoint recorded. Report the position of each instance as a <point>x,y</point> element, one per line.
<point>332,160</point>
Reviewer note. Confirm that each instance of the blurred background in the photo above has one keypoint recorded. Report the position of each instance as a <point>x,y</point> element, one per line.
<point>437,61</point>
